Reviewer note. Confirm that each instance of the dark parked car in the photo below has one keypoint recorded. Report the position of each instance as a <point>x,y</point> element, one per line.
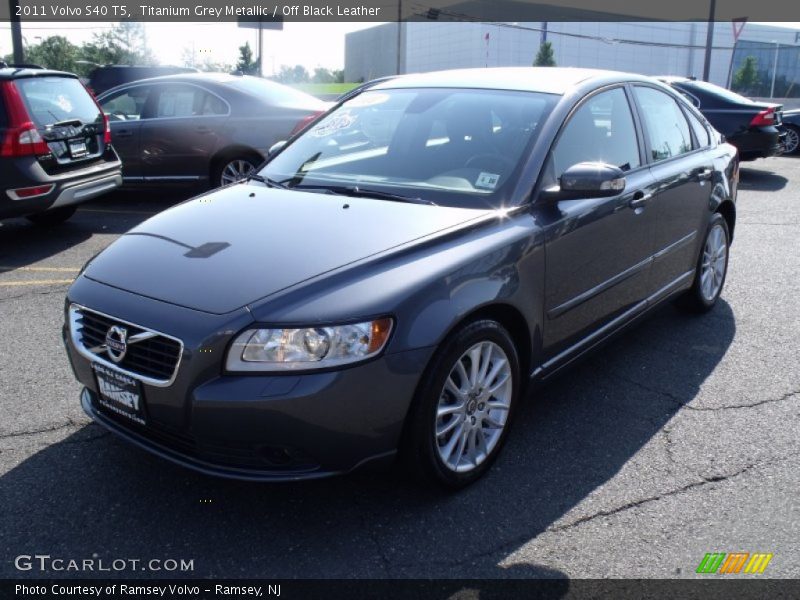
<point>201,129</point>
<point>750,126</point>
<point>109,76</point>
<point>397,274</point>
<point>55,145</point>
<point>791,125</point>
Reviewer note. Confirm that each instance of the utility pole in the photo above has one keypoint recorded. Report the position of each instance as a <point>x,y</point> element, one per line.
<point>399,35</point>
<point>709,40</point>
<point>16,32</point>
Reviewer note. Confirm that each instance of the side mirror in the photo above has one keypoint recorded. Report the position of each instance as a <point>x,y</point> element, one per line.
<point>589,180</point>
<point>275,148</point>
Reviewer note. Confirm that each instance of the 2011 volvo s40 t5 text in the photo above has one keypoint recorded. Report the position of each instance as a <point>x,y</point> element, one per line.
<point>396,275</point>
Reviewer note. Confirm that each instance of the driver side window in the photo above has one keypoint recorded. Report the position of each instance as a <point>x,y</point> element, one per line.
<point>127,105</point>
<point>601,130</point>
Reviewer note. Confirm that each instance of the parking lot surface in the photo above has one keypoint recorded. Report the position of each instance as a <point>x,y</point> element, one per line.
<point>678,439</point>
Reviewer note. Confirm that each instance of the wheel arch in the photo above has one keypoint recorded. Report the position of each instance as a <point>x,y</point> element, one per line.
<point>728,211</point>
<point>229,153</point>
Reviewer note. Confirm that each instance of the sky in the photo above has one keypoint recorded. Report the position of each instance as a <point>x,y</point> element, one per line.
<point>308,44</point>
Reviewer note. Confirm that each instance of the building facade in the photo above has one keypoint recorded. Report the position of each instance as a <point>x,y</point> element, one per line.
<point>650,48</point>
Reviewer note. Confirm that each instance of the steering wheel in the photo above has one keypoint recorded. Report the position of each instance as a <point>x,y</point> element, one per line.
<point>496,162</point>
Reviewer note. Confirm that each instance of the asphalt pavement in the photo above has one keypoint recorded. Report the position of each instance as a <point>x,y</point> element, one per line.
<point>678,439</point>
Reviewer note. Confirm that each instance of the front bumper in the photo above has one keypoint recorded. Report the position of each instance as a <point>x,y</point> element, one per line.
<point>259,427</point>
<point>282,428</point>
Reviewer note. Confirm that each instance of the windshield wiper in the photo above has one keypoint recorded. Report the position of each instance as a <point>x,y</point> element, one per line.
<point>344,190</point>
<point>266,180</point>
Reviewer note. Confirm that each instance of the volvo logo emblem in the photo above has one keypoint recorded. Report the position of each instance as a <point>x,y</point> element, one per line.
<point>116,343</point>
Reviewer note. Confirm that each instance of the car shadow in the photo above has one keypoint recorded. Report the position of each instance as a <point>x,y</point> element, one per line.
<point>761,180</point>
<point>23,243</point>
<point>93,495</point>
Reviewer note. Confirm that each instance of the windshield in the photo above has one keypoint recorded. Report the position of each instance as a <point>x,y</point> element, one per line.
<point>459,147</point>
<point>51,100</point>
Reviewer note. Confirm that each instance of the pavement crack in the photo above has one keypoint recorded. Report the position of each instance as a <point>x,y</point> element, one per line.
<point>684,404</point>
<point>647,500</point>
<point>69,423</point>
<point>59,290</point>
<point>375,539</point>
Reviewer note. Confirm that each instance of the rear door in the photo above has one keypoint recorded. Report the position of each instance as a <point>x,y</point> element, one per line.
<point>183,132</point>
<point>125,110</point>
<point>683,168</point>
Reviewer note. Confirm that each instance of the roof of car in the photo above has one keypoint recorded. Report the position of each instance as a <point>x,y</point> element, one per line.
<point>221,78</point>
<point>17,72</point>
<point>549,80</point>
<point>674,79</point>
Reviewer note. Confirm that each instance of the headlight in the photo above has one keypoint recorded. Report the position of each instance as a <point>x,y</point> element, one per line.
<point>307,348</point>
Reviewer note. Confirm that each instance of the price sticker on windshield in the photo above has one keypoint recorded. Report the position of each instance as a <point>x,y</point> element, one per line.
<point>487,181</point>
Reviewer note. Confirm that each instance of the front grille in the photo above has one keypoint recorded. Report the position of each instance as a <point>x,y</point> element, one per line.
<point>155,358</point>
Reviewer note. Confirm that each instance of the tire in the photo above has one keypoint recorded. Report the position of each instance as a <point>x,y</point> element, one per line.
<point>232,168</point>
<point>456,457</point>
<point>711,269</point>
<point>792,139</point>
<point>55,216</point>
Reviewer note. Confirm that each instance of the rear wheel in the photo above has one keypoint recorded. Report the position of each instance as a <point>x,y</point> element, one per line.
<point>55,216</point>
<point>792,140</point>
<point>232,169</point>
<point>712,267</point>
<point>464,406</point>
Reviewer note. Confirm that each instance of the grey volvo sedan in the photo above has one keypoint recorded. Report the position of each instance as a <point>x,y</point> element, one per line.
<point>397,275</point>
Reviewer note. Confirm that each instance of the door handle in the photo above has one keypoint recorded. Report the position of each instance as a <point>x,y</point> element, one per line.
<point>202,129</point>
<point>123,133</point>
<point>704,173</point>
<point>639,199</point>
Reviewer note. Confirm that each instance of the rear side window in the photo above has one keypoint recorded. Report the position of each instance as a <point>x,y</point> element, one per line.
<point>52,100</point>
<point>187,101</point>
<point>700,131</point>
<point>179,101</point>
<point>601,130</point>
<point>667,128</point>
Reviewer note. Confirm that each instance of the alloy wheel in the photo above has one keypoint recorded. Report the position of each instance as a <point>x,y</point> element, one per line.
<point>792,140</point>
<point>473,407</point>
<point>236,170</point>
<point>715,258</point>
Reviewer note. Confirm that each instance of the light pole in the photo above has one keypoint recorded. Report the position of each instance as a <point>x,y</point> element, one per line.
<point>774,69</point>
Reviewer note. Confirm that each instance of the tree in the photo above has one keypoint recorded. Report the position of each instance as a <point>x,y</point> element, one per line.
<point>246,64</point>
<point>295,74</point>
<point>124,44</point>
<point>54,52</point>
<point>322,75</point>
<point>545,57</point>
<point>746,78</point>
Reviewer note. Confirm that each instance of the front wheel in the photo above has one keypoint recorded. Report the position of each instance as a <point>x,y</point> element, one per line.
<point>711,269</point>
<point>464,406</point>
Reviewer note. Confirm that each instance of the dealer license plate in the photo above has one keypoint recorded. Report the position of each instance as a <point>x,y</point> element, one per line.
<point>120,393</point>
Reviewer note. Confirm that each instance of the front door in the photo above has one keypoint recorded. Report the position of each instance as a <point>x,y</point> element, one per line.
<point>598,250</point>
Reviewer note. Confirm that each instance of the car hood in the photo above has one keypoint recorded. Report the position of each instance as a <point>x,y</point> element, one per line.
<point>228,248</point>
